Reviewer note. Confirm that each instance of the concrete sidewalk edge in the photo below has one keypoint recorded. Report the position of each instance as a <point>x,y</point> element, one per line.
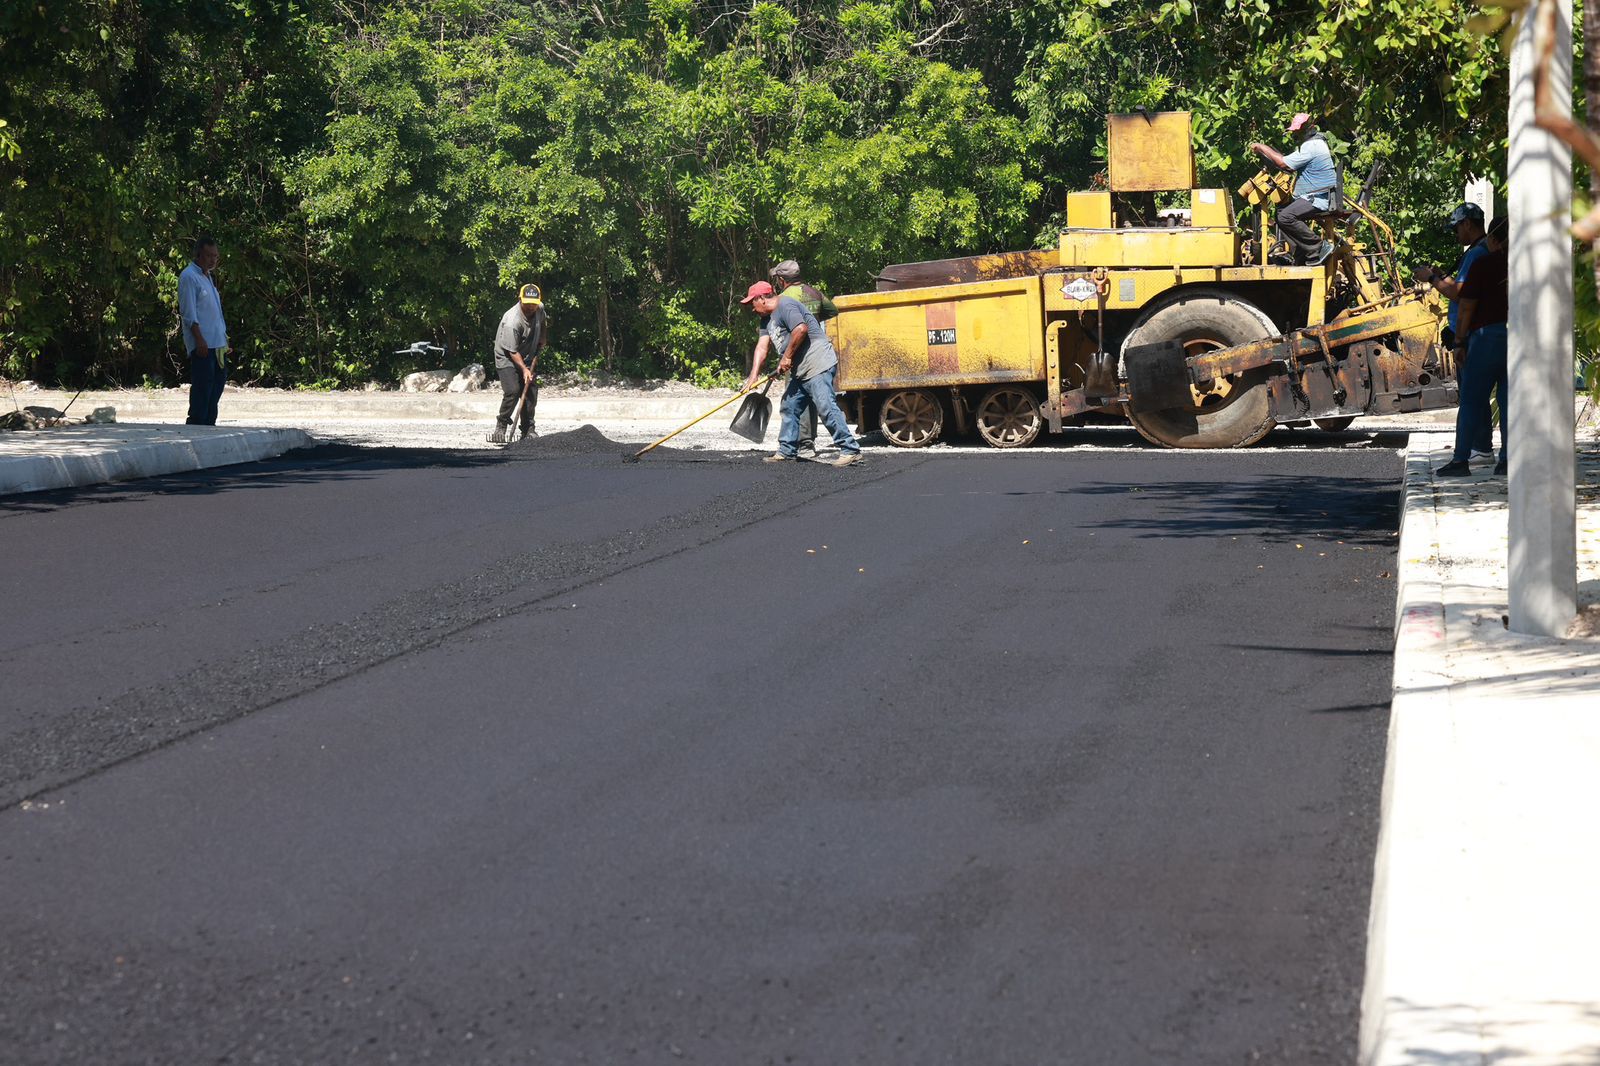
<point>1484,934</point>
<point>169,450</point>
<point>1419,650</point>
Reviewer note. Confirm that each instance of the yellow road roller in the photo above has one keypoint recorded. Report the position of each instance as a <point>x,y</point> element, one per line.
<point>1157,306</point>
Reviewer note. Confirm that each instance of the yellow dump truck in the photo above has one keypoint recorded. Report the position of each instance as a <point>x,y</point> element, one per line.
<point>1157,306</point>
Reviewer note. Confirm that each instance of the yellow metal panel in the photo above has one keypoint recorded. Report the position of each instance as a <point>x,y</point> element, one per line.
<point>1275,273</point>
<point>1149,247</point>
<point>1150,153</point>
<point>1126,290</point>
<point>981,333</point>
<point>1130,290</point>
<point>1089,210</point>
<point>1211,207</point>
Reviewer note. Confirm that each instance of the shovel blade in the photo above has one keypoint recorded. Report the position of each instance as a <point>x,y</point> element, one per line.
<point>751,421</point>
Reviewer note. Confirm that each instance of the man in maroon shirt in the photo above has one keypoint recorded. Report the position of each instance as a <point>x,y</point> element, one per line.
<point>1481,352</point>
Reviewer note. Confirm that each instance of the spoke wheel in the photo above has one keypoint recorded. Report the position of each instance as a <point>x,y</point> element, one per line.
<point>1008,417</point>
<point>911,418</point>
<point>1334,425</point>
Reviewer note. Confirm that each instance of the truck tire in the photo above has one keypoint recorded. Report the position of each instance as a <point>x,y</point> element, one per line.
<point>1235,413</point>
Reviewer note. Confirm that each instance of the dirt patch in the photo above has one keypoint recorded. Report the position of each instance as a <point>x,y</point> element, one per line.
<point>1587,625</point>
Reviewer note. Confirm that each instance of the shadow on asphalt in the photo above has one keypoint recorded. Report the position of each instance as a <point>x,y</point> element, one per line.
<point>322,463</point>
<point>332,462</point>
<point>1360,511</point>
<point>1125,437</point>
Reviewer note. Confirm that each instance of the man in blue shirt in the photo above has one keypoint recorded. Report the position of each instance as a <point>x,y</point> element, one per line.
<point>1466,222</point>
<point>205,333</point>
<point>1315,177</point>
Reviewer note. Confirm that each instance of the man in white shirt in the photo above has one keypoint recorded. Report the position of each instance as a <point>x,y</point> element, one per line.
<point>1315,175</point>
<point>205,334</point>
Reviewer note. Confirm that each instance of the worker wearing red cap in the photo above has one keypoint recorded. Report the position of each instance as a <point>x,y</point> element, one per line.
<point>807,356</point>
<point>1315,177</point>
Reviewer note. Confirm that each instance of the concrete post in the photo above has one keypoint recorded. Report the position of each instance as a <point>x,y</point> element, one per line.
<point>1543,462</point>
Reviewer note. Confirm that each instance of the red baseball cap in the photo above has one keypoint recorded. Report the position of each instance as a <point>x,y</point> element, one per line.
<point>759,289</point>
<point>1299,120</point>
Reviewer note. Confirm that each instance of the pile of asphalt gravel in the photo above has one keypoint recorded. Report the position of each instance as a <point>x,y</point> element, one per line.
<point>585,440</point>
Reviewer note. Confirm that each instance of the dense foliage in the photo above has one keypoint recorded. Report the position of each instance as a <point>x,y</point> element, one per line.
<point>380,171</point>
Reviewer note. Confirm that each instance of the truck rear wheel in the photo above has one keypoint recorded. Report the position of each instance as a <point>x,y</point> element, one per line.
<point>1008,417</point>
<point>911,418</point>
<point>1229,413</point>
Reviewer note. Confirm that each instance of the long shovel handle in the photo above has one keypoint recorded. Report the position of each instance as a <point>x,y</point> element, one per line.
<point>742,392</point>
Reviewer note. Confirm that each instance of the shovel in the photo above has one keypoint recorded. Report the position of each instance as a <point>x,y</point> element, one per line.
<point>754,414</point>
<point>657,443</point>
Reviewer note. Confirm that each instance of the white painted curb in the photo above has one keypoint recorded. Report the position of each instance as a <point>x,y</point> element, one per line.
<point>72,457</point>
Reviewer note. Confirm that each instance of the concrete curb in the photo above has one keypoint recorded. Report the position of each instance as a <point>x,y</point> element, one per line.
<point>1484,930</point>
<point>74,456</point>
<point>1419,655</point>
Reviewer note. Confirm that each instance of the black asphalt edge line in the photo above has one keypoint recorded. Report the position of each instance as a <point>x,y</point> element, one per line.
<point>135,731</point>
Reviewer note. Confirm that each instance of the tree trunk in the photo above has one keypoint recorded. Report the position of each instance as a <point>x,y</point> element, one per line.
<point>603,316</point>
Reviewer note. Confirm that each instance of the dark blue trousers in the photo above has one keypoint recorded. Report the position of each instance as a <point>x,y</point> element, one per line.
<point>1483,373</point>
<point>206,378</point>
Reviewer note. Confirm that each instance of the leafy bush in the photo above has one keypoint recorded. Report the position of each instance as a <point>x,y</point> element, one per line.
<point>390,171</point>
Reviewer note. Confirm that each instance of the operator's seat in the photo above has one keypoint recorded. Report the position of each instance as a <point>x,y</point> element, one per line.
<point>1335,215</point>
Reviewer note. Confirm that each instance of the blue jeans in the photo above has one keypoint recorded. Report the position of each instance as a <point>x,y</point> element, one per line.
<point>1483,372</point>
<point>816,393</point>
<point>206,378</point>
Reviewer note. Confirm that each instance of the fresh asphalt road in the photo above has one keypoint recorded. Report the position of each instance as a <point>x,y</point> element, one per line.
<point>461,758</point>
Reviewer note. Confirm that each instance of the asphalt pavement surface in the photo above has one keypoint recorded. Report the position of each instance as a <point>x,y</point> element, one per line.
<point>418,756</point>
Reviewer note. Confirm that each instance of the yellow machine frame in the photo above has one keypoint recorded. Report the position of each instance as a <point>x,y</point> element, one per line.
<point>997,332</point>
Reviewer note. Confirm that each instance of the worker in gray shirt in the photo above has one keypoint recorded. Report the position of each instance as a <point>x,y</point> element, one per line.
<point>786,281</point>
<point>807,356</point>
<point>523,333</point>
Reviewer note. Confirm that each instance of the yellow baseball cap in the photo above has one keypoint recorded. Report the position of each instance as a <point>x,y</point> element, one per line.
<point>530,296</point>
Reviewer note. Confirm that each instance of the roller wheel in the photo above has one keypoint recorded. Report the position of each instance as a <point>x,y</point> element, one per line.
<point>1233,412</point>
<point>1008,417</point>
<point>1334,425</point>
<point>911,418</point>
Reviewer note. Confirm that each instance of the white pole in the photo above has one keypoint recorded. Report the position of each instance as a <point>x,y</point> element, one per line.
<point>1542,484</point>
<point>1480,191</point>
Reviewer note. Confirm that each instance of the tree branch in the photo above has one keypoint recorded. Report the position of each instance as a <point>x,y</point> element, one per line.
<point>1559,122</point>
